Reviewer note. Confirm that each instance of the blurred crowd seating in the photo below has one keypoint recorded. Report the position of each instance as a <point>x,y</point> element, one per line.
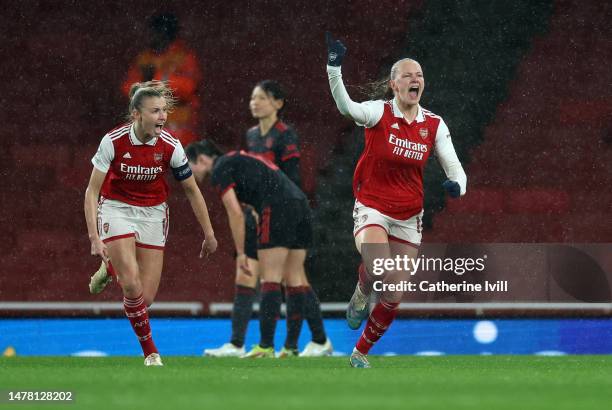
<point>543,169</point>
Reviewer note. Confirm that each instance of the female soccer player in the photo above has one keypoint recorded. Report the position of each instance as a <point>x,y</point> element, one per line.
<point>277,142</point>
<point>125,205</point>
<point>388,183</point>
<point>271,137</point>
<point>285,232</point>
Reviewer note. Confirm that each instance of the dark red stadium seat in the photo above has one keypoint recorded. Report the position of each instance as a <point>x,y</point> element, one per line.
<point>545,149</point>
<point>479,201</point>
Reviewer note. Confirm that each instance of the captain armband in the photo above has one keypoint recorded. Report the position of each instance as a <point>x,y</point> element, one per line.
<point>181,173</point>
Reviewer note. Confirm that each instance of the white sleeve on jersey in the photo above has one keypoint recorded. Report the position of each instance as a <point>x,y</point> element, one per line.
<point>445,151</point>
<point>365,114</point>
<point>104,155</point>
<point>178,157</point>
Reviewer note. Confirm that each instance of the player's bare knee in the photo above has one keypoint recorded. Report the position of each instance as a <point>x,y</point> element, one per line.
<point>131,284</point>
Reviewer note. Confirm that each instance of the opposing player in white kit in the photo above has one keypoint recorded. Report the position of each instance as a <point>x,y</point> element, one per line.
<point>388,184</point>
<point>125,205</point>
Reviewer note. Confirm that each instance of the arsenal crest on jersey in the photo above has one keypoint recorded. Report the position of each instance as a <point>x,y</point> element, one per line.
<point>158,156</point>
<point>424,133</point>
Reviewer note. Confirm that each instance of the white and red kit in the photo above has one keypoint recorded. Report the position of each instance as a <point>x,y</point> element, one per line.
<point>388,178</point>
<point>134,192</point>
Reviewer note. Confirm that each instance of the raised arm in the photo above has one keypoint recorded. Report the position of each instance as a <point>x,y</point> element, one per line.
<point>366,114</point>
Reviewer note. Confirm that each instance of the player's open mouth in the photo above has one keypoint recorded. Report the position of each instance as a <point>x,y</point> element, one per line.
<point>158,127</point>
<point>413,92</point>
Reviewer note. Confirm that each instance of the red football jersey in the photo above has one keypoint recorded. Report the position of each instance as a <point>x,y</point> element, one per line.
<point>389,174</point>
<point>135,171</point>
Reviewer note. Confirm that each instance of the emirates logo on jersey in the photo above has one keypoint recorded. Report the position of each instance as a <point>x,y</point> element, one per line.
<point>424,133</point>
<point>158,156</point>
<point>407,149</point>
<point>140,173</point>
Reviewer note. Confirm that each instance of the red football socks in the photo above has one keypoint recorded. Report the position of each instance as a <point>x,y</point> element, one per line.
<point>136,311</point>
<point>379,321</point>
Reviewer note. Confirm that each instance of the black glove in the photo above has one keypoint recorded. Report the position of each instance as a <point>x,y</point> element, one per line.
<point>335,50</point>
<point>453,188</point>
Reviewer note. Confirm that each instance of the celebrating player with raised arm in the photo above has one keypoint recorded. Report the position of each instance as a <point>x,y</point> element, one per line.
<point>125,205</point>
<point>388,183</point>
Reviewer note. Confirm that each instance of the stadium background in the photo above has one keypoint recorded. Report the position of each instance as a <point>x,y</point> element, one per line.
<point>523,86</point>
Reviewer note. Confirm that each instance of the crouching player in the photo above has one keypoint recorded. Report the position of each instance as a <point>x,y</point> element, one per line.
<point>285,232</point>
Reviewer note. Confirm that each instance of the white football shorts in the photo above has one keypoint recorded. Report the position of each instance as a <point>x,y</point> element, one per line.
<point>147,224</point>
<point>409,231</point>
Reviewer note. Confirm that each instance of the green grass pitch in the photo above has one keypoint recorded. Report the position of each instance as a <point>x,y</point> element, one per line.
<point>402,382</point>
